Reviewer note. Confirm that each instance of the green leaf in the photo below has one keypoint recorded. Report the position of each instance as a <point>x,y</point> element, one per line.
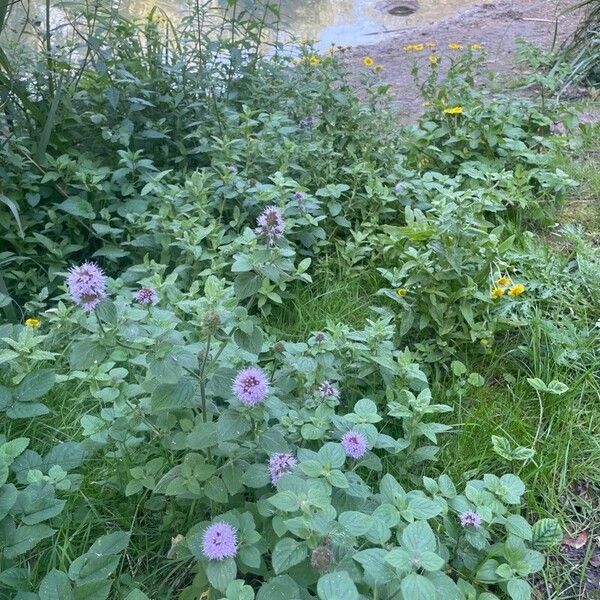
<point>35,385</point>
<point>557,387</point>
<point>424,508</point>
<point>110,544</point>
<point>203,435</point>
<point>92,590</point>
<point>250,556</point>
<point>331,455</point>
<point>419,537</point>
<point>417,587</point>
<point>8,497</point>
<point>286,501</point>
<point>287,553</point>
<point>518,589</point>
<point>136,595</point>
<point>546,533</point>
<point>537,384</point>
<point>246,285</point>
<point>107,311</point>
<point>356,523</point>
<point>430,561</point>
<point>24,538</point>
<point>78,207</point>
<point>256,476</point>
<point>84,354</point>
<point>337,586</point>
<point>399,559</point>
<point>221,573</point>
<point>12,449</point>
<point>377,572</point>
<point>518,526</point>
<point>55,586</point>
<point>282,587</point>
<point>173,396</point>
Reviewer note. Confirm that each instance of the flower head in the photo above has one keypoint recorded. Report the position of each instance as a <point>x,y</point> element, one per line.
<point>250,386</point>
<point>470,518</point>
<point>454,110</point>
<point>320,337</point>
<point>219,541</point>
<point>401,292</point>
<point>476,46</point>
<point>484,341</point>
<point>314,61</point>
<point>33,323</point>
<point>354,444</point>
<point>455,46</point>
<point>328,390</point>
<point>430,44</point>
<point>497,292</point>
<point>516,290</point>
<point>307,122</point>
<point>270,224</point>
<point>87,285</point>
<point>280,464</point>
<point>434,59</point>
<point>146,295</point>
<point>368,61</point>
<point>503,281</point>
<point>414,48</point>
<point>378,68</point>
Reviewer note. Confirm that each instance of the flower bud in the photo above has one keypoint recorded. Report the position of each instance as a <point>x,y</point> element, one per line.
<point>321,558</point>
<point>211,322</point>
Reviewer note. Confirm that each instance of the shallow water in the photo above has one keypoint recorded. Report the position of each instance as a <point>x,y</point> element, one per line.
<point>346,22</point>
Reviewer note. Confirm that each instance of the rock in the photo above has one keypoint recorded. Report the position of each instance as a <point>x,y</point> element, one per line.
<point>399,8</point>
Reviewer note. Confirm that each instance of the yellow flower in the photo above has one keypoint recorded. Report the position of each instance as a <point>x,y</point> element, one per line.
<point>313,61</point>
<point>454,46</point>
<point>503,281</point>
<point>476,46</point>
<point>497,292</point>
<point>516,290</point>
<point>378,68</point>
<point>455,110</point>
<point>401,292</point>
<point>414,48</point>
<point>434,60</point>
<point>484,342</point>
<point>368,61</point>
<point>32,323</point>
<point>430,44</point>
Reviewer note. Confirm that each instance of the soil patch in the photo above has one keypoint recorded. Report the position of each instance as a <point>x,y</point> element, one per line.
<point>495,25</point>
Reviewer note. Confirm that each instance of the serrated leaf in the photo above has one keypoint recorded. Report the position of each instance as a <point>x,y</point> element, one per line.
<point>337,586</point>
<point>287,553</point>
<point>546,533</point>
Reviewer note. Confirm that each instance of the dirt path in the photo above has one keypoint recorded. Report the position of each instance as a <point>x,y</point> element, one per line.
<point>496,25</point>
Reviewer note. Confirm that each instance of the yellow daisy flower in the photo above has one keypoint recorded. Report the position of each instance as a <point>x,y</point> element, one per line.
<point>516,290</point>
<point>484,341</point>
<point>401,292</point>
<point>368,61</point>
<point>503,281</point>
<point>476,46</point>
<point>32,323</point>
<point>455,46</point>
<point>497,292</point>
<point>430,44</point>
<point>434,60</point>
<point>313,61</point>
<point>414,48</point>
<point>455,110</point>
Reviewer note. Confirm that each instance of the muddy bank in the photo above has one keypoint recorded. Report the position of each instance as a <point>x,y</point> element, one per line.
<point>494,25</point>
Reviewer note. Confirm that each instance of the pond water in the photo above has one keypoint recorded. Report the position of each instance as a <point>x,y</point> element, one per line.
<point>346,22</point>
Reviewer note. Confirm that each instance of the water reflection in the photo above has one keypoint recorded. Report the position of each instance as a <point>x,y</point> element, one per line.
<point>348,22</point>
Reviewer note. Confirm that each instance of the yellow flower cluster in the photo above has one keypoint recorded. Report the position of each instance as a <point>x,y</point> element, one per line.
<point>454,110</point>
<point>455,46</point>
<point>414,48</point>
<point>503,282</point>
<point>31,322</point>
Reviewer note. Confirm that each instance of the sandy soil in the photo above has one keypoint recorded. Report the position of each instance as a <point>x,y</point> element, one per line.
<point>494,24</point>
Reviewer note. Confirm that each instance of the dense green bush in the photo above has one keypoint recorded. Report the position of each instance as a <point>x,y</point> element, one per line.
<point>220,182</point>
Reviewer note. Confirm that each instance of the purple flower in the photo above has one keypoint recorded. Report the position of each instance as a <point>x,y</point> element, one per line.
<point>232,169</point>
<point>320,337</point>
<point>470,518</point>
<point>279,465</point>
<point>299,198</point>
<point>219,541</point>
<point>328,390</point>
<point>270,224</point>
<point>306,122</point>
<point>354,444</point>
<point>87,285</point>
<point>146,295</point>
<point>250,386</point>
